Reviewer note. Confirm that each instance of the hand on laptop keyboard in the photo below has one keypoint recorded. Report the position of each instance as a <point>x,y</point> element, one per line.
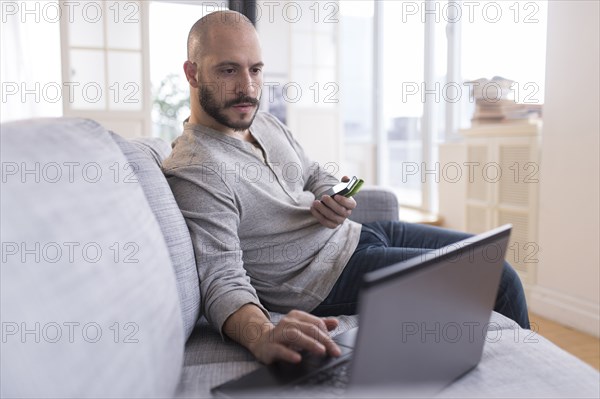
<point>296,332</point>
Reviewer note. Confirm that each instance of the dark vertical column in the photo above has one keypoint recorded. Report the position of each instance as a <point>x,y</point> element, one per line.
<point>246,7</point>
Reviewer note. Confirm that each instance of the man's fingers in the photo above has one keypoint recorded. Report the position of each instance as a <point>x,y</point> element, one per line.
<point>277,352</point>
<point>322,219</point>
<point>297,335</point>
<point>346,202</point>
<point>317,210</point>
<point>283,353</point>
<point>309,318</point>
<point>307,332</point>
<point>339,204</point>
<point>332,210</point>
<point>331,323</point>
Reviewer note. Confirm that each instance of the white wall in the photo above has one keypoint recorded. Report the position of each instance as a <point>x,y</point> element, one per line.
<point>568,280</point>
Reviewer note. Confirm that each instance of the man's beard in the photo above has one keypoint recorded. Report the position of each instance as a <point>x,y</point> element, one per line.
<point>211,106</point>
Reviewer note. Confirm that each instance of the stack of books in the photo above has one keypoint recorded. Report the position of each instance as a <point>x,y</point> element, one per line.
<point>495,103</point>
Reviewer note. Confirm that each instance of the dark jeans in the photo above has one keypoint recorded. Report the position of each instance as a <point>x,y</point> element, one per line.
<point>385,243</point>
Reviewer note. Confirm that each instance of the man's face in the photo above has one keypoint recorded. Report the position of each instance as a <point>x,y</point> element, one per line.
<point>231,78</point>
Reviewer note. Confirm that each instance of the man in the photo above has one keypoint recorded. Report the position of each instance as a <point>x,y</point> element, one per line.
<point>250,196</point>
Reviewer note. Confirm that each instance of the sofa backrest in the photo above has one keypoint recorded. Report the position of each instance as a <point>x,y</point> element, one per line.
<point>145,156</point>
<point>375,204</point>
<point>89,301</point>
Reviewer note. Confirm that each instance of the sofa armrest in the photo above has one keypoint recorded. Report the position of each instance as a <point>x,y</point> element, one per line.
<point>375,204</point>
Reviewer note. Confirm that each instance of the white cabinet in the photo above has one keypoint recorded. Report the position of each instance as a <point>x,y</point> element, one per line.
<point>498,184</point>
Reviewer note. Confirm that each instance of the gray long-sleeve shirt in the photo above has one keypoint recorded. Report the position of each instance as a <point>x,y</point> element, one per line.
<point>250,222</point>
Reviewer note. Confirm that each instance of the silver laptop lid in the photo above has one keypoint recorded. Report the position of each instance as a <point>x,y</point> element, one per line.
<point>423,322</point>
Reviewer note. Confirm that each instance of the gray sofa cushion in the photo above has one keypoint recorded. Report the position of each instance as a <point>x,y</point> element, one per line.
<point>88,292</point>
<point>522,364</point>
<point>145,156</point>
<point>375,204</point>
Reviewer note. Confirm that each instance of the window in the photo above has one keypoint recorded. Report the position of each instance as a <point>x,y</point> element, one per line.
<point>105,57</point>
<point>168,52</point>
<point>356,88</point>
<point>104,51</point>
<point>403,73</point>
<point>97,60</point>
<point>30,69</point>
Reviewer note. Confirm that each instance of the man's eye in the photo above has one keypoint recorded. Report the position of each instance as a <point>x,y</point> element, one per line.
<point>256,70</point>
<point>229,71</point>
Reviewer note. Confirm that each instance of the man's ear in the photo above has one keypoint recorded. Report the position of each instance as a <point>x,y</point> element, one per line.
<point>190,68</point>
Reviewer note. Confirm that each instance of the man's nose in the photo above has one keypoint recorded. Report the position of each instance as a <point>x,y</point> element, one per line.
<point>248,84</point>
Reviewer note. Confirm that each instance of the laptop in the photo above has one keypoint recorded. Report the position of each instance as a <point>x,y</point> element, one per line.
<point>423,324</point>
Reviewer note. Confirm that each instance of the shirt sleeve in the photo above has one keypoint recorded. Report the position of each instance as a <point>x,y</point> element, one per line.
<point>212,217</point>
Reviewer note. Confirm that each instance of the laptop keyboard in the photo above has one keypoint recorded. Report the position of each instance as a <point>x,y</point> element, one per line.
<point>330,380</point>
<point>333,380</point>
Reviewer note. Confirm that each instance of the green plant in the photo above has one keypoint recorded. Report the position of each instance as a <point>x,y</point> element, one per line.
<point>170,105</point>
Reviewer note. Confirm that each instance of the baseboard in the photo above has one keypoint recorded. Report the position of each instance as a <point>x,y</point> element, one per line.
<point>564,309</point>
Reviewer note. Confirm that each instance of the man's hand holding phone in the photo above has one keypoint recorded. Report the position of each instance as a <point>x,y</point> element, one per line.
<point>336,204</point>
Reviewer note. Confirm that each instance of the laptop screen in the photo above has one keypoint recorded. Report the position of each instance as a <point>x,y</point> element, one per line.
<point>424,321</point>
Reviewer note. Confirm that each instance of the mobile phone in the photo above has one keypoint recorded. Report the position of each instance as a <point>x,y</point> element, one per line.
<point>347,189</point>
<point>356,188</point>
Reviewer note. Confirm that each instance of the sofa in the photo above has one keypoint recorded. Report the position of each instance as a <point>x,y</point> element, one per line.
<point>99,287</point>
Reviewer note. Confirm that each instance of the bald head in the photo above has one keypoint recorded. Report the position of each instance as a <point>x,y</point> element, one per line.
<point>200,34</point>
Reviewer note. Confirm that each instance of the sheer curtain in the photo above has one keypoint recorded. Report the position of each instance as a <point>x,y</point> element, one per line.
<point>30,72</point>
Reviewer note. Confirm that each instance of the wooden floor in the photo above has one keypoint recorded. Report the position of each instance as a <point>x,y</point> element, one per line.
<point>584,346</point>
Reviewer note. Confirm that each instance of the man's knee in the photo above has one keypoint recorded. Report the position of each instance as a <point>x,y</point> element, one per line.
<point>510,275</point>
